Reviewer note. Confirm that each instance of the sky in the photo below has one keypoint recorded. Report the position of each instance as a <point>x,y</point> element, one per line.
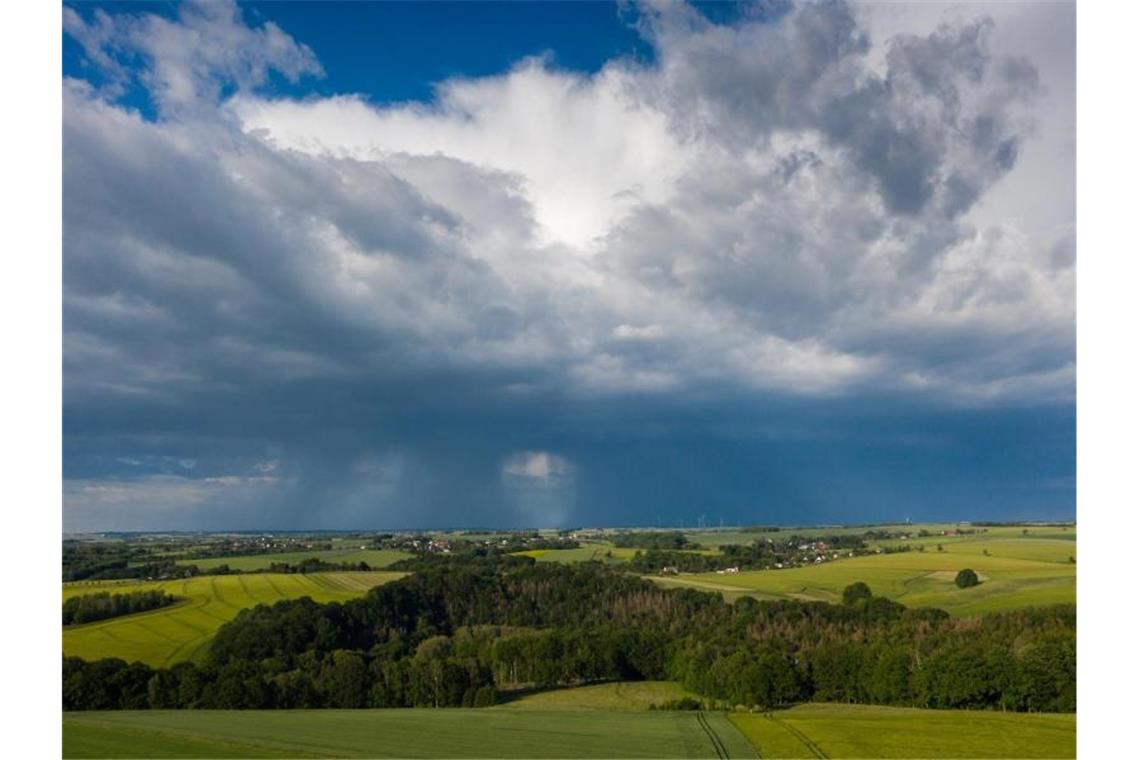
<point>394,265</point>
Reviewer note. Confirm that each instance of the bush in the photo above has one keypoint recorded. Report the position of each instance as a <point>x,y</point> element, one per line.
<point>966,578</point>
<point>484,696</point>
<point>856,592</point>
<point>684,703</point>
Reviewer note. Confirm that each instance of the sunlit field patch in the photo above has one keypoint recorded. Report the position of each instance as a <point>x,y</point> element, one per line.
<point>181,632</point>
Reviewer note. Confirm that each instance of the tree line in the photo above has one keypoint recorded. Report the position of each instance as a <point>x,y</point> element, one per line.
<point>88,608</point>
<point>460,634</point>
<point>653,539</point>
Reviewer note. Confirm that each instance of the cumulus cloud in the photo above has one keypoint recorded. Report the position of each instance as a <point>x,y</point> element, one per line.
<point>192,60</point>
<point>773,208</point>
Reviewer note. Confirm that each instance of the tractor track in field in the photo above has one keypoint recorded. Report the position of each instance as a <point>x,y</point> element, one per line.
<point>718,745</point>
<point>814,748</point>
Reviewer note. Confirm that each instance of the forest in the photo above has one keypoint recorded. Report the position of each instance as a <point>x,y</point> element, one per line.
<point>463,633</point>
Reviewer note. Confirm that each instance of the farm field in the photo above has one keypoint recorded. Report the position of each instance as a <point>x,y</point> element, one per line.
<point>806,731</point>
<point>619,695</point>
<point>377,559</point>
<point>917,579</point>
<point>860,731</point>
<point>181,631</point>
<point>588,551</point>
<point>412,733</point>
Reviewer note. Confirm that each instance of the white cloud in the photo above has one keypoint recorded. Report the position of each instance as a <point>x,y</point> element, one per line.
<point>586,149</point>
<point>192,57</point>
<point>537,465</point>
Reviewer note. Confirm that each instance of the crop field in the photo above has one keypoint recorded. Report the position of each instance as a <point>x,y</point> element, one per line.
<point>917,579</point>
<point>858,731</point>
<point>181,631</point>
<point>412,733</point>
<point>600,551</point>
<point>806,731</point>
<point>620,695</point>
<point>377,559</point>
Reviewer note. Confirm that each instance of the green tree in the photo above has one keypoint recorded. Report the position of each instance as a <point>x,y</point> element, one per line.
<point>346,680</point>
<point>966,578</point>
<point>856,592</point>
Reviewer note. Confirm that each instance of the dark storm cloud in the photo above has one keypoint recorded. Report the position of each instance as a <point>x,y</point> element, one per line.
<point>322,314</point>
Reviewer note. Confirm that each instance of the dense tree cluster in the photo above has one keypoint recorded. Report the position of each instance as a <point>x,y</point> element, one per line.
<point>517,542</point>
<point>464,554</point>
<point>245,546</point>
<point>652,539</point>
<point>455,633</point>
<point>88,608</point>
<point>95,561</point>
<point>317,565</point>
<point>765,554</point>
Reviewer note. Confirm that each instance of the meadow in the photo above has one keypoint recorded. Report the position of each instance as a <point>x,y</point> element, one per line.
<point>916,579</point>
<point>588,551</point>
<point>182,631</point>
<point>530,727</point>
<point>855,731</point>
<point>412,733</point>
<point>617,695</point>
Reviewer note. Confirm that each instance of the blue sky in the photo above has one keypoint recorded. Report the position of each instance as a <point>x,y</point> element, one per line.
<point>371,265</point>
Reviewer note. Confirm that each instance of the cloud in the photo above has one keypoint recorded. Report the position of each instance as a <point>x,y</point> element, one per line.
<point>192,60</point>
<point>776,211</point>
<point>541,466</point>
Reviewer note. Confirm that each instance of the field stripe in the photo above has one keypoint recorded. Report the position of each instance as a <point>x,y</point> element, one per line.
<point>812,746</point>
<point>718,746</point>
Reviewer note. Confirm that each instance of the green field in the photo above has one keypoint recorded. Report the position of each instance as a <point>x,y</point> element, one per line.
<point>588,551</point>
<point>620,695</point>
<point>859,731</point>
<point>917,579</point>
<point>168,635</point>
<point>408,733</point>
<point>377,559</point>
<point>812,730</point>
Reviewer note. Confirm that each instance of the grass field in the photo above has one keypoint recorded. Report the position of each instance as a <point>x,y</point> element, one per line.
<point>180,632</point>
<point>589,550</point>
<point>414,733</point>
<point>917,579</point>
<point>377,559</point>
<point>807,731</point>
<point>860,731</point>
<point>620,695</point>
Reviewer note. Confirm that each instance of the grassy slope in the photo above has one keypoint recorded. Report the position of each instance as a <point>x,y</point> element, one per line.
<point>397,733</point>
<point>858,731</point>
<point>1018,571</point>
<point>620,695</point>
<point>589,550</point>
<point>375,558</point>
<point>180,632</point>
